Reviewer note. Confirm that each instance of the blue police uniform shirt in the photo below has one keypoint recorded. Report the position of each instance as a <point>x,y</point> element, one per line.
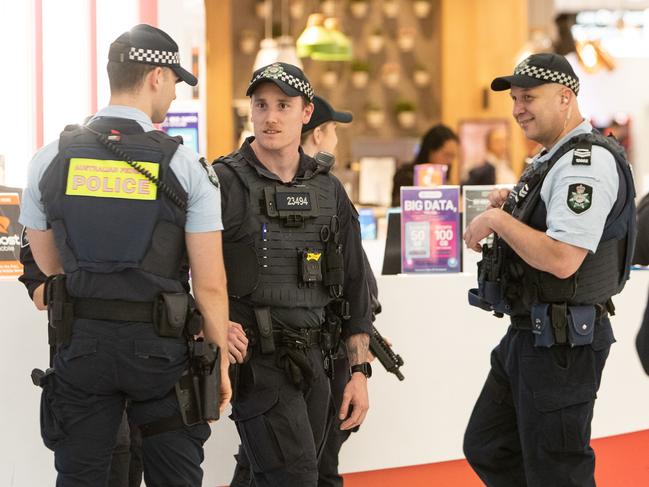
<point>583,229</point>
<point>204,199</point>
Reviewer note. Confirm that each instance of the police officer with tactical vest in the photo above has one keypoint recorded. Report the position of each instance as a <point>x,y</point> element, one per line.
<point>292,247</point>
<point>563,240</point>
<point>114,210</point>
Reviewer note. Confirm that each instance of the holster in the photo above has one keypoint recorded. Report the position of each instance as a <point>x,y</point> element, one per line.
<point>60,311</point>
<point>197,391</point>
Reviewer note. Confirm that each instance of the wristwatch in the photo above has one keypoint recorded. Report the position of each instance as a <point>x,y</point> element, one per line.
<point>365,368</point>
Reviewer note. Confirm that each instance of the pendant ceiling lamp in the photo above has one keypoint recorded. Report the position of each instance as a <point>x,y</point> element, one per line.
<point>341,47</point>
<point>322,40</point>
<point>281,49</point>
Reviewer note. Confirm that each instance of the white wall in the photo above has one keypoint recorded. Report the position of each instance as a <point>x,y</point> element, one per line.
<point>623,90</point>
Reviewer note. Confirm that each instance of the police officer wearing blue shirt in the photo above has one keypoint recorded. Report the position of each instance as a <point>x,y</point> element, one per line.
<point>563,244</point>
<point>114,210</point>
<point>292,248</point>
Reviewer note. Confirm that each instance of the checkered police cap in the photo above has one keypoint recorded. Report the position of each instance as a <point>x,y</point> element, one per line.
<point>290,79</point>
<point>539,69</point>
<point>148,45</point>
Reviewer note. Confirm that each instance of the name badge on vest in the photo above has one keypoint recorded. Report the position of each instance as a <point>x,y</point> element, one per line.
<point>100,178</point>
<point>582,154</point>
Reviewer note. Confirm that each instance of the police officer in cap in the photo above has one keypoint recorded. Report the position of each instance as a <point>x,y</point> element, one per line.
<point>320,135</point>
<point>292,247</point>
<point>563,241</point>
<point>114,210</point>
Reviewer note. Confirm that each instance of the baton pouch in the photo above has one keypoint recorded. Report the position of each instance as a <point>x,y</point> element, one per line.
<point>170,314</point>
<point>581,325</point>
<point>542,326</point>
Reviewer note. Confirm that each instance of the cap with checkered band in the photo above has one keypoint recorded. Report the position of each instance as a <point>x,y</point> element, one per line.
<point>149,45</point>
<point>290,79</point>
<point>539,69</point>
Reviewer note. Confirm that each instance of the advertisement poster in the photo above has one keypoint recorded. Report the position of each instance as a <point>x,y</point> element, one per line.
<point>367,219</point>
<point>10,231</point>
<point>430,174</point>
<point>430,229</point>
<point>475,201</point>
<point>185,125</point>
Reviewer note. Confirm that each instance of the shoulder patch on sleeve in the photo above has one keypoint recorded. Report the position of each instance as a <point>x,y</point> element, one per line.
<point>24,242</point>
<point>211,174</point>
<point>582,154</point>
<point>580,197</point>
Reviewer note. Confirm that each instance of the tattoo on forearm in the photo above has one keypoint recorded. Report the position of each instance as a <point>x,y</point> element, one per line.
<point>357,348</point>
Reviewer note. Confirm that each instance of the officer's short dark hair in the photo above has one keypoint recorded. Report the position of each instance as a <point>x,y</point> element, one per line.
<point>126,77</point>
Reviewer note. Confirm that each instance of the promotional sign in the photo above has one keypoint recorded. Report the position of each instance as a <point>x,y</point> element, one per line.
<point>10,231</point>
<point>430,225</point>
<point>430,174</point>
<point>367,219</point>
<point>475,200</point>
<point>185,125</point>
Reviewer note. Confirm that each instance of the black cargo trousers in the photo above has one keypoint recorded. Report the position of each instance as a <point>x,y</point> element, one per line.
<point>83,402</point>
<point>531,423</point>
<point>282,427</point>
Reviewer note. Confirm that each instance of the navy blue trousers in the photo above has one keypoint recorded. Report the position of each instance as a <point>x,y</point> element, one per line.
<point>328,475</point>
<point>531,423</point>
<point>83,404</point>
<point>282,427</point>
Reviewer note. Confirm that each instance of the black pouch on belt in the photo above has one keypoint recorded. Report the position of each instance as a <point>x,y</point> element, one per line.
<point>170,314</point>
<point>265,327</point>
<point>581,325</point>
<point>542,325</point>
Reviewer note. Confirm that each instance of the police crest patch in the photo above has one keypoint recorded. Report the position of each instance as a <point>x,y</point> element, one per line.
<point>24,241</point>
<point>211,173</point>
<point>580,197</point>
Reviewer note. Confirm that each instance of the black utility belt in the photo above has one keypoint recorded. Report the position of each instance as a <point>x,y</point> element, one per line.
<point>170,313</point>
<point>560,324</point>
<point>297,337</point>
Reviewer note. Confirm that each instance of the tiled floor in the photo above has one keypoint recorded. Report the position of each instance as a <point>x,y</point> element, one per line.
<point>622,461</point>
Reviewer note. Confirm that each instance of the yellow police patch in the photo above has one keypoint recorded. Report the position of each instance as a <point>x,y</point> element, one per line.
<point>313,256</point>
<point>110,179</point>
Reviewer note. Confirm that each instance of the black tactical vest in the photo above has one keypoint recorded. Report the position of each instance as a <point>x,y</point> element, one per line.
<point>602,274</point>
<point>119,236</point>
<point>282,234</point>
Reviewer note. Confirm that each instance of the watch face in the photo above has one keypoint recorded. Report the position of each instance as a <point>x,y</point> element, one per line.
<point>364,368</point>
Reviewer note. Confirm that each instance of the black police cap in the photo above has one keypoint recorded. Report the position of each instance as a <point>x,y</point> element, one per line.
<point>289,78</point>
<point>323,112</point>
<point>149,45</point>
<point>537,70</point>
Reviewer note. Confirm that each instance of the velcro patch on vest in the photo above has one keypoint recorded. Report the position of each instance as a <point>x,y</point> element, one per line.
<point>101,178</point>
<point>300,201</point>
<point>581,156</point>
<point>580,197</point>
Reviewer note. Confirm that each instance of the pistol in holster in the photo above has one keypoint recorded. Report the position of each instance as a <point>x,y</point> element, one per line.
<point>199,386</point>
<point>60,312</point>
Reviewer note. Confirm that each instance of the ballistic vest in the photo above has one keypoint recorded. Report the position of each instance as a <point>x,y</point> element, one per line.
<point>118,235</point>
<point>281,237</point>
<point>602,274</point>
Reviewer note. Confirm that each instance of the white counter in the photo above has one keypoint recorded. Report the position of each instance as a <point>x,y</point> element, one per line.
<point>444,342</point>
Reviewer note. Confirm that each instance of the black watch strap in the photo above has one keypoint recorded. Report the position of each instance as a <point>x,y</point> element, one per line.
<point>365,368</point>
